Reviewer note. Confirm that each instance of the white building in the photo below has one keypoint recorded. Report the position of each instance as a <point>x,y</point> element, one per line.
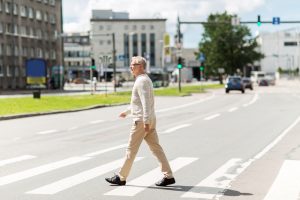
<point>77,55</point>
<point>281,49</point>
<point>133,37</point>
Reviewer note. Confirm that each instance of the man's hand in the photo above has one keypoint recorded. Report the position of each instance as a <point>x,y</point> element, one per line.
<point>123,115</point>
<point>146,127</point>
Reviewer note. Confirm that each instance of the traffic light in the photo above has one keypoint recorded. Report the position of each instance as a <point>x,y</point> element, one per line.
<point>202,66</point>
<point>258,20</point>
<point>93,65</point>
<point>179,63</point>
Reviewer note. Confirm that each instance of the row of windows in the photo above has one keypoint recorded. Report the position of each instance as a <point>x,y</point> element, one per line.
<point>10,50</point>
<point>290,43</point>
<point>82,40</point>
<point>77,54</point>
<point>26,11</point>
<point>27,31</point>
<point>77,64</point>
<point>126,27</point>
<point>11,71</point>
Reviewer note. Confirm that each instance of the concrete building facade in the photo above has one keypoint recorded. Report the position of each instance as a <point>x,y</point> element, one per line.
<point>281,49</point>
<point>28,29</point>
<point>132,37</point>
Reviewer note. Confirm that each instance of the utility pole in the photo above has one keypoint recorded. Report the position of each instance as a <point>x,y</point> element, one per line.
<point>179,53</point>
<point>114,60</point>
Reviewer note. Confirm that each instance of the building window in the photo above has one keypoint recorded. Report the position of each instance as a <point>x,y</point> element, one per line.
<point>143,27</point>
<point>16,50</point>
<point>134,27</point>
<point>1,28</point>
<point>7,7</point>
<point>126,49</point>
<point>23,11</point>
<point>15,11</point>
<point>46,17</point>
<point>101,42</point>
<point>39,53</point>
<point>45,1</point>
<point>38,15</point>
<point>135,45</point>
<point>24,51</point>
<point>8,71</point>
<point>108,27</point>
<point>100,28</point>
<point>52,19</point>
<point>152,49</point>
<point>52,2</point>
<point>290,44</point>
<point>32,52</point>
<point>8,50</point>
<point>1,5</point>
<point>151,27</point>
<point>39,34</point>
<point>108,42</point>
<point>53,55</point>
<point>17,73</point>
<point>1,68</point>
<point>30,13</point>
<point>144,44</point>
<point>1,49</point>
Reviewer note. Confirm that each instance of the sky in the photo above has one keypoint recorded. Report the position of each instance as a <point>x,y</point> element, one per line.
<point>77,13</point>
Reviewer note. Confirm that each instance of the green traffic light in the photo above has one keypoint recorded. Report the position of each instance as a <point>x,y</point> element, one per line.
<point>201,68</point>
<point>179,66</point>
<point>258,23</point>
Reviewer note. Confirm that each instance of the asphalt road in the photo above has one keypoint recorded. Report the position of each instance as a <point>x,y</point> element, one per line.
<point>220,146</point>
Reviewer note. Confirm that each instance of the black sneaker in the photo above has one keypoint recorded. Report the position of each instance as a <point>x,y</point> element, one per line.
<point>115,180</point>
<point>165,181</point>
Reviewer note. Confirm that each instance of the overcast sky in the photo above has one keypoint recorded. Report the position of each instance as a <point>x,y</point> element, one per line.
<point>77,13</point>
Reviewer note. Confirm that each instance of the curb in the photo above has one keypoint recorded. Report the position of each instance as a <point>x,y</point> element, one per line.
<point>9,117</point>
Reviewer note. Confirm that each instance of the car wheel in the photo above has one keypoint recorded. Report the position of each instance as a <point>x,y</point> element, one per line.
<point>243,91</point>
<point>227,91</point>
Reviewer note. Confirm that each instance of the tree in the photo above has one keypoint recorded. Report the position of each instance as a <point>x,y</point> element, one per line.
<point>227,46</point>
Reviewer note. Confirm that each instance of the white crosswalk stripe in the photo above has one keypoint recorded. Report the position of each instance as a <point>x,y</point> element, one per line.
<point>77,179</point>
<point>219,180</point>
<point>16,159</point>
<point>148,179</point>
<point>40,170</point>
<point>287,183</point>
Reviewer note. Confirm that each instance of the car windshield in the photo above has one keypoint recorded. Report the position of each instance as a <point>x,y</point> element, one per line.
<point>234,79</point>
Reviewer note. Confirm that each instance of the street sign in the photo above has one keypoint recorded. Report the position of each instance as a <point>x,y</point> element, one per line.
<point>202,57</point>
<point>276,20</point>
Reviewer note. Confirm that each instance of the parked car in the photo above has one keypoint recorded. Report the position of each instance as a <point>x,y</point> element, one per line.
<point>234,83</point>
<point>247,83</point>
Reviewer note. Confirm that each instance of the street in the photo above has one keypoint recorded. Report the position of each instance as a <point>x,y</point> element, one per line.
<point>220,146</point>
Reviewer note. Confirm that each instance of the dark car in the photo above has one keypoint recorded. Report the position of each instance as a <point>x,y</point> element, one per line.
<point>263,82</point>
<point>247,83</point>
<point>234,83</point>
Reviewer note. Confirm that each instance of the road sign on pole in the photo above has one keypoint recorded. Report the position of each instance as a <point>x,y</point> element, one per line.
<point>276,20</point>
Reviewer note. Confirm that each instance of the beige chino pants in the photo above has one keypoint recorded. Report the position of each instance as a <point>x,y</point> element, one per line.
<point>137,134</point>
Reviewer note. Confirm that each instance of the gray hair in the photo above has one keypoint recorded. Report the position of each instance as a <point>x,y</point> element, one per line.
<point>139,60</point>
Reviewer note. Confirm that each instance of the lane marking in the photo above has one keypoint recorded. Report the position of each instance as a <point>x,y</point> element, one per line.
<point>72,128</point>
<point>40,170</point>
<point>255,98</point>
<point>97,122</point>
<point>212,117</point>
<point>220,180</point>
<point>16,159</point>
<point>96,153</point>
<point>47,132</point>
<point>148,179</point>
<point>77,179</point>
<point>186,105</point>
<point>176,128</point>
<point>287,182</point>
<point>232,109</point>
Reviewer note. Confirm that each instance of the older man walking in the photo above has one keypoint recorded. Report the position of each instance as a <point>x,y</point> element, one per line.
<point>144,126</point>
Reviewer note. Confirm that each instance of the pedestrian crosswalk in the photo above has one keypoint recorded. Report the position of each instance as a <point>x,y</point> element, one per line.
<point>210,187</point>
